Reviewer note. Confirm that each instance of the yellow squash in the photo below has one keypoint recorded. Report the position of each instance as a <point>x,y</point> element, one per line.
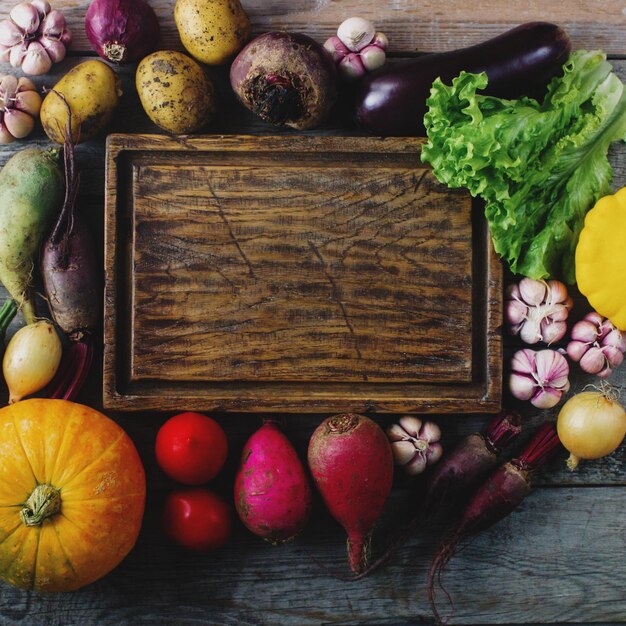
<point>601,258</point>
<point>72,493</point>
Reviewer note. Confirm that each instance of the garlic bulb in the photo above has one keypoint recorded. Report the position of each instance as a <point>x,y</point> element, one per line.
<point>537,310</point>
<point>597,345</point>
<point>541,377</point>
<point>19,107</point>
<point>415,444</point>
<point>34,37</point>
<point>357,48</point>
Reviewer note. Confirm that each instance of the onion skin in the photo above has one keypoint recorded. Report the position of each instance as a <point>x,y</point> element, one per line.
<point>591,425</point>
<point>392,100</point>
<point>287,79</point>
<point>122,30</point>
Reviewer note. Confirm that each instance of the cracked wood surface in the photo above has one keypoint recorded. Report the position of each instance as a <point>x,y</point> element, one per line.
<point>309,264</point>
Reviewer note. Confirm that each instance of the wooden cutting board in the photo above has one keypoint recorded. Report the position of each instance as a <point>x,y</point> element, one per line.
<point>318,274</point>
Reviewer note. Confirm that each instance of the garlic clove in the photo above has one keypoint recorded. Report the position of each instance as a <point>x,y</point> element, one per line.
<point>616,339</point>
<point>373,57</point>
<point>552,368</point>
<point>532,292</point>
<point>403,452</point>
<point>546,398</point>
<point>523,362</point>
<point>25,84</point>
<point>530,331</point>
<point>26,16</point>
<point>42,7</point>
<point>434,453</point>
<point>8,90</point>
<point>410,424</point>
<point>552,331</point>
<point>585,331</point>
<point>17,54</point>
<point>55,49</point>
<point>595,318</point>
<point>576,350</point>
<point>430,432</point>
<point>351,66</point>
<point>29,102</point>
<point>10,33</point>
<point>18,123</point>
<point>395,432</point>
<point>593,360</point>
<point>613,355</point>
<point>5,136</point>
<point>66,38</point>
<point>36,61</point>
<point>416,465</point>
<point>381,40</point>
<point>5,53</point>
<point>557,292</point>
<point>356,33</point>
<point>559,312</point>
<point>54,25</point>
<point>522,387</point>
<point>337,48</point>
<point>515,311</point>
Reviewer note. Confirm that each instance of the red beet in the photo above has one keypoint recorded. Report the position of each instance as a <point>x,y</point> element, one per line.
<point>352,465</point>
<point>497,497</point>
<point>272,492</point>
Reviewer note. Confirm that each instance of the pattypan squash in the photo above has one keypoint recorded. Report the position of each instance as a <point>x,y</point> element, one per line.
<point>601,258</point>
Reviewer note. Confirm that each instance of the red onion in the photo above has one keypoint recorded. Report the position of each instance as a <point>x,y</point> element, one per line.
<point>122,30</point>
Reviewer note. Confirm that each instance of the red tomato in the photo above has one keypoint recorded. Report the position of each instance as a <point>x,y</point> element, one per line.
<point>197,519</point>
<point>191,448</point>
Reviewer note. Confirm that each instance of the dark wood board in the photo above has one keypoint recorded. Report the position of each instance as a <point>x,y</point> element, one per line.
<point>295,273</point>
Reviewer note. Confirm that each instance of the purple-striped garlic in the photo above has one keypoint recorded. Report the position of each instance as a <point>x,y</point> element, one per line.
<point>539,376</point>
<point>537,310</point>
<point>415,444</point>
<point>19,107</point>
<point>597,345</point>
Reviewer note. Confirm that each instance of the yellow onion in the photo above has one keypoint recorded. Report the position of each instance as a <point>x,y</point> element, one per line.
<point>31,359</point>
<point>591,425</point>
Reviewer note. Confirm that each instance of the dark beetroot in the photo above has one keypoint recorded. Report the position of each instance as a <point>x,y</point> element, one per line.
<point>392,100</point>
<point>287,79</point>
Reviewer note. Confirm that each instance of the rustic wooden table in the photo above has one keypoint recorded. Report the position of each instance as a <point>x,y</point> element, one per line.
<point>558,559</point>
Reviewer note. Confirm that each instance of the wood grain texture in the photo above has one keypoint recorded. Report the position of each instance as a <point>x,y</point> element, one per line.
<point>426,26</point>
<point>534,567</point>
<point>294,273</point>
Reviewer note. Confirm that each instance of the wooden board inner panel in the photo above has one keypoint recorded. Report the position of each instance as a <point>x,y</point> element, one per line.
<point>265,267</point>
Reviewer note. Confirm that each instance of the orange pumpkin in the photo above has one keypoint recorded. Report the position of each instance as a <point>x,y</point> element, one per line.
<point>72,494</point>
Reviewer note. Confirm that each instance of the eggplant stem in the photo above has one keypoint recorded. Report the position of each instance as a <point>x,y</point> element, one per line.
<point>7,313</point>
<point>73,370</point>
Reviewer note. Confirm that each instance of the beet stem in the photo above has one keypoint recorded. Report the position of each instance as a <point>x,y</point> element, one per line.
<point>539,450</point>
<point>502,430</point>
<point>73,371</point>
<point>7,313</point>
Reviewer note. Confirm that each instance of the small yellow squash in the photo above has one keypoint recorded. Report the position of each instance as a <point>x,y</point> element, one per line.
<point>92,91</point>
<point>175,92</point>
<point>601,258</point>
<point>212,31</point>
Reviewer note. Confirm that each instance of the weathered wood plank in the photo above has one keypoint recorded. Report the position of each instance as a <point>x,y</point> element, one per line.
<point>429,25</point>
<point>557,559</point>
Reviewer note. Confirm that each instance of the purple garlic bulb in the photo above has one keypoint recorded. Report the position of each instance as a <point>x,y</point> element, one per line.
<point>539,376</point>
<point>415,444</point>
<point>597,345</point>
<point>537,310</point>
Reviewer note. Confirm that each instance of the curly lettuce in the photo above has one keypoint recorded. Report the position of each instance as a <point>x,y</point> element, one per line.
<point>538,166</point>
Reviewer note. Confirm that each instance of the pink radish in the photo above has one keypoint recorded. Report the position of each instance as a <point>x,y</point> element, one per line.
<point>272,491</point>
<point>352,465</point>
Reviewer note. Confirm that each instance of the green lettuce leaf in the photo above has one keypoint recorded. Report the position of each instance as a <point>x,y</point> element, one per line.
<point>538,166</point>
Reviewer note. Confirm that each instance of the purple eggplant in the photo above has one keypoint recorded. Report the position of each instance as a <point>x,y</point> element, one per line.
<point>392,101</point>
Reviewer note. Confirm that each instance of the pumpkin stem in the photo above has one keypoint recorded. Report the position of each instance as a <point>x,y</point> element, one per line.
<point>44,502</point>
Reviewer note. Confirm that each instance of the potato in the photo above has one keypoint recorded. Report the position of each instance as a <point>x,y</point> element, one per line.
<point>175,92</point>
<point>212,31</point>
<point>92,90</point>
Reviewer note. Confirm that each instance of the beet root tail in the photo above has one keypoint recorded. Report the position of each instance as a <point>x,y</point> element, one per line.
<point>358,552</point>
<point>437,566</point>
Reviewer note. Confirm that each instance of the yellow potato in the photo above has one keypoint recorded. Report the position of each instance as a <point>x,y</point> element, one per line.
<point>175,92</point>
<point>212,31</point>
<point>92,91</point>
